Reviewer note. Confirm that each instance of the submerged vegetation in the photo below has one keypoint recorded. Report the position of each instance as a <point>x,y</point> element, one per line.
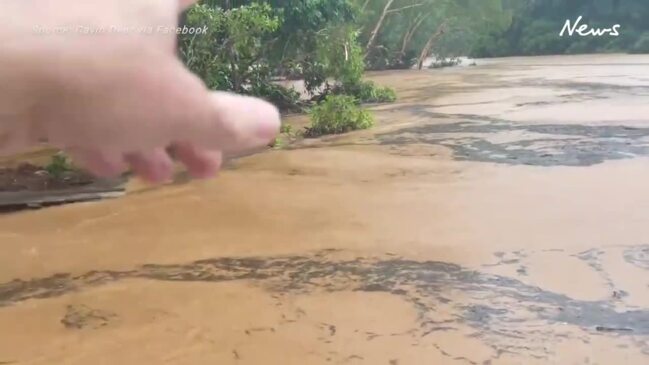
<point>338,114</point>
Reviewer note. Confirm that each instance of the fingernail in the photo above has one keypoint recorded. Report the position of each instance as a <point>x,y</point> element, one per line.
<point>266,131</point>
<point>267,120</point>
<point>253,122</point>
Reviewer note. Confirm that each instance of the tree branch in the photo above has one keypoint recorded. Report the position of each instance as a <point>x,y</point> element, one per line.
<point>403,8</point>
<point>411,32</point>
<point>425,52</point>
<point>377,28</point>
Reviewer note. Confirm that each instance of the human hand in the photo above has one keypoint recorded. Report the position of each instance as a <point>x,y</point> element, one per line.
<point>119,97</point>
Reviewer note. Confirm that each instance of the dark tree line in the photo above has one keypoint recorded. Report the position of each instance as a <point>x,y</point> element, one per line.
<point>536,25</point>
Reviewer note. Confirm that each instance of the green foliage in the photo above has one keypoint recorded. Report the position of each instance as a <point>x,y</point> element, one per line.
<point>58,165</point>
<point>313,36</point>
<point>337,57</point>
<point>341,55</point>
<point>338,114</point>
<point>287,135</point>
<point>370,93</point>
<point>278,143</point>
<point>367,92</point>
<point>286,129</point>
<point>642,44</point>
<point>249,44</point>
<point>284,98</point>
<point>230,55</point>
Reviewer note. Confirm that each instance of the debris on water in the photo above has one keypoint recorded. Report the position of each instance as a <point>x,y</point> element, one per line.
<point>612,329</point>
<point>619,294</point>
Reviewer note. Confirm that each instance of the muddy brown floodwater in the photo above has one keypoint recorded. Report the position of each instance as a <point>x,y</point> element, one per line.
<point>497,214</point>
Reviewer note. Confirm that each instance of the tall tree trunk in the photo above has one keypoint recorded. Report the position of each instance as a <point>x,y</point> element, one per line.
<point>410,33</point>
<point>425,52</point>
<point>378,26</point>
<point>234,68</point>
<point>182,20</point>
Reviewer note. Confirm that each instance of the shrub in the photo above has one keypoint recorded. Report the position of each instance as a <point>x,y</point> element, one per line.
<point>338,114</point>
<point>283,98</point>
<point>59,165</point>
<point>367,92</point>
<point>277,143</point>
<point>231,55</point>
<point>286,129</point>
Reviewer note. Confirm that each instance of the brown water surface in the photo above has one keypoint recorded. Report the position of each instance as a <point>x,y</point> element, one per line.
<point>497,214</point>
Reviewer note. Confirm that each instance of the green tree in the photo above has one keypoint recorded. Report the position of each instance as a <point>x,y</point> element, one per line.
<point>231,56</point>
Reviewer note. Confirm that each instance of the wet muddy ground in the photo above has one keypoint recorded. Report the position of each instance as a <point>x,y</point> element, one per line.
<point>497,214</point>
